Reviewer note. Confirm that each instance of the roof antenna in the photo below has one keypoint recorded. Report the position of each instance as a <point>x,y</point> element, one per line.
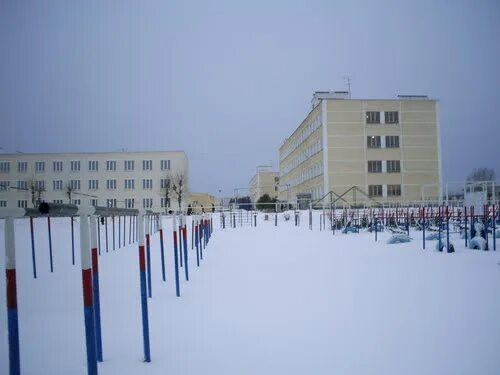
<point>348,81</point>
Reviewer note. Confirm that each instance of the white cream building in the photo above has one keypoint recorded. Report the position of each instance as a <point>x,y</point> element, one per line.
<point>120,179</point>
<point>387,148</point>
<point>265,181</point>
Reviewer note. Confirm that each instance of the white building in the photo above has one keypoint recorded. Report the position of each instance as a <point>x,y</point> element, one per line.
<point>118,179</point>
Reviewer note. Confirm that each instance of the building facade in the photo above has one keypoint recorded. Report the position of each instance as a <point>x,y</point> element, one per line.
<point>118,179</point>
<point>265,181</point>
<point>199,201</point>
<point>380,151</point>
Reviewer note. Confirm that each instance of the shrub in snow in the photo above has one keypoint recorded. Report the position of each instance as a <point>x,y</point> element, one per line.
<point>286,216</point>
<point>442,246</point>
<point>398,238</point>
<point>433,236</point>
<point>477,243</point>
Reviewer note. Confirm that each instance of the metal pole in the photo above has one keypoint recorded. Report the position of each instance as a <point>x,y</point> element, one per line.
<point>72,241</point>
<point>184,238</point>
<point>50,246</point>
<point>176,256</point>
<point>33,257</point>
<point>95,285</point>
<point>144,297</point>
<point>148,258</point>
<point>162,251</point>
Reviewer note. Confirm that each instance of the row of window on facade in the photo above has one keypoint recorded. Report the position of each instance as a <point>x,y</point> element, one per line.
<point>376,166</point>
<point>308,174</point>
<point>377,190</point>
<point>302,136</point>
<point>375,141</point>
<point>390,117</point>
<point>126,203</point>
<point>75,166</point>
<point>307,153</point>
<point>57,185</point>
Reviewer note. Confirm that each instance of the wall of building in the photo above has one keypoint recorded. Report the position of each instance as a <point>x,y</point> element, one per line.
<point>197,200</point>
<point>264,182</point>
<point>142,193</point>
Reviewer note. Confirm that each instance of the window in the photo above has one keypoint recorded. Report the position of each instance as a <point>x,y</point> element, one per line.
<point>93,184</point>
<point>147,184</point>
<point>393,166</point>
<point>39,185</point>
<point>111,184</point>
<point>165,165</point>
<point>164,203</point>
<point>129,203</point>
<point>5,167</point>
<point>374,166</point>
<point>93,202</point>
<point>165,183</point>
<point>111,165</point>
<point>57,166</point>
<point>111,202</point>
<point>4,185</point>
<point>129,184</point>
<point>147,165</point>
<point>393,190</point>
<point>74,166</point>
<point>58,201</point>
<point>74,184</point>
<point>391,117</point>
<point>57,184</point>
<point>22,185</point>
<point>22,166</point>
<point>22,203</point>
<point>93,165</point>
<point>373,141</point>
<point>276,180</point>
<point>147,202</point>
<point>76,201</point>
<point>129,165</point>
<point>372,117</point>
<point>3,204</point>
<point>39,166</point>
<point>392,141</point>
<point>375,190</point>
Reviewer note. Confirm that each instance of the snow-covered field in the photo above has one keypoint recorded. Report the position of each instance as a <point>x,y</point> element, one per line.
<point>265,300</point>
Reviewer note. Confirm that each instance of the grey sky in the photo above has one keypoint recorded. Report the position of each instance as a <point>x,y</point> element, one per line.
<point>226,81</point>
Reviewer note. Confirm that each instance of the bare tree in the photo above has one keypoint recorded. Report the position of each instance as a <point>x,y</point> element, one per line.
<point>179,185</point>
<point>69,191</point>
<point>167,186</point>
<point>481,174</point>
<point>36,190</point>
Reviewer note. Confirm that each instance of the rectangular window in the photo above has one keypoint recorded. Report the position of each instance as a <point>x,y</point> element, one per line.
<point>57,166</point>
<point>93,165</point>
<point>111,184</point>
<point>147,202</point>
<point>374,166</point>
<point>129,184</point>
<point>3,204</point>
<point>147,184</point>
<point>39,185</point>
<point>111,202</point>
<point>4,166</point>
<point>164,203</point>
<point>165,165</point>
<point>373,117</point>
<point>392,141</point>
<point>393,166</point>
<point>165,183</point>
<point>375,190</point>
<point>129,165</point>
<point>22,166</point>
<point>4,185</point>
<point>129,203</point>
<point>22,185</point>
<point>22,203</point>
<point>93,184</point>
<point>111,165</point>
<point>57,201</point>
<point>57,185</point>
<point>76,201</point>
<point>75,165</point>
<point>93,202</point>
<point>147,165</point>
<point>393,190</point>
<point>39,166</point>
<point>373,141</point>
<point>74,184</point>
<point>391,117</point>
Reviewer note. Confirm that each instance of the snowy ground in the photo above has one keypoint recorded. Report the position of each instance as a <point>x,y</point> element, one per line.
<point>266,300</point>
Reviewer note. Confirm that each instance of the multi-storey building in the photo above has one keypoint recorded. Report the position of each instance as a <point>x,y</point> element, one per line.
<point>265,181</point>
<point>388,149</point>
<point>118,179</point>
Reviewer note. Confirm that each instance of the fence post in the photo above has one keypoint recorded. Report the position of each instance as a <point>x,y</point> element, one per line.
<point>113,224</point>
<point>176,261</point>
<point>33,257</point>
<point>50,245</point>
<point>144,297</point>
<point>162,251</point>
<point>72,240</point>
<point>423,228</point>
<point>184,239</point>
<point>148,258</point>
<point>196,235</point>
<point>95,285</point>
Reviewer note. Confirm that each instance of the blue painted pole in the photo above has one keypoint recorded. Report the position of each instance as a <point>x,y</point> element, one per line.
<point>176,261</point>
<point>106,231</point>
<point>376,229</point>
<point>439,228</point>
<point>50,245</point>
<point>88,303</point>
<point>181,261</point>
<point>144,297</point>
<point>200,238</point>
<point>98,235</point>
<point>148,258</point>
<point>33,257</point>
<point>494,229</point>
<point>447,230</point>
<point>163,274</point>
<point>186,265</point>
<point>423,228</point>
<point>196,234</point>
<point>465,215</point>
<point>95,286</point>
<point>11,286</point>
<point>72,241</point>
<point>113,227</point>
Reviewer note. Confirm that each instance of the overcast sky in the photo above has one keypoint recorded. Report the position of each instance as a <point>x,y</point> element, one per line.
<point>227,81</point>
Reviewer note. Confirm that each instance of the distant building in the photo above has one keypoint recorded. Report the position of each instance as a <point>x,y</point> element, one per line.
<point>388,149</point>
<point>199,200</point>
<point>265,181</point>
<point>118,179</point>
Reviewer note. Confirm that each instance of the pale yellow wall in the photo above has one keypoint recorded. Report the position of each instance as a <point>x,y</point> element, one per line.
<point>196,200</point>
